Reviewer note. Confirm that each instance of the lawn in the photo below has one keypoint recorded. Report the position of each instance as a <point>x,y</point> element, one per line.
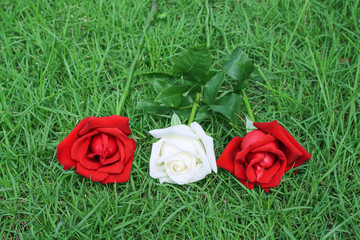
<point>61,61</point>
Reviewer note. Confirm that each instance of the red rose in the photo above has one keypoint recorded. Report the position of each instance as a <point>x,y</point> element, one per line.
<point>262,156</point>
<point>99,149</point>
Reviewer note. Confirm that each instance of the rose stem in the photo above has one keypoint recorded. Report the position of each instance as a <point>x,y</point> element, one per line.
<point>154,8</point>
<point>247,105</point>
<point>193,110</point>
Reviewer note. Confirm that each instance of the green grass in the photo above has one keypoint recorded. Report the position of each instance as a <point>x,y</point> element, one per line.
<point>61,61</point>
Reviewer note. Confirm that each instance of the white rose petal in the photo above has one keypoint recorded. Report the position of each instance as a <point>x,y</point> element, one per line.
<point>182,155</point>
<point>156,170</point>
<point>208,143</point>
<point>178,130</point>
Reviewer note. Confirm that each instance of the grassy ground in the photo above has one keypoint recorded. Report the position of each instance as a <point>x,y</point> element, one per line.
<point>61,61</point>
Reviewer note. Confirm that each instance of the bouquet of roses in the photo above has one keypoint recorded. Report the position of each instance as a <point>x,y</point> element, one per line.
<point>185,154</point>
<point>101,149</point>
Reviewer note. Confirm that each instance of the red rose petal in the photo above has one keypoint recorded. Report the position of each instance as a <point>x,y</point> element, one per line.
<point>128,143</point>
<point>96,145</point>
<point>84,160</point>
<point>63,152</point>
<point>259,170</point>
<point>249,185</point>
<point>275,180</point>
<point>305,155</point>
<point>111,147</point>
<point>293,151</point>
<point>240,172</point>
<point>94,176</point>
<point>107,161</point>
<point>115,121</point>
<point>75,153</point>
<point>268,160</point>
<point>120,178</point>
<point>130,146</point>
<point>251,156</point>
<point>250,169</point>
<point>269,173</point>
<point>263,141</point>
<point>266,189</point>
<point>226,159</point>
<point>116,168</point>
<point>252,137</point>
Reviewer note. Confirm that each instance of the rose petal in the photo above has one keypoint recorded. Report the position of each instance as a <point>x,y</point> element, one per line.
<point>115,168</point>
<point>114,121</point>
<point>94,176</point>
<point>249,185</point>
<point>268,160</point>
<point>202,169</point>
<point>251,156</point>
<point>275,180</point>
<point>251,174</point>
<point>111,147</point>
<point>63,152</point>
<point>155,170</point>
<point>208,144</point>
<point>96,145</point>
<point>177,130</point>
<point>240,172</point>
<point>259,171</point>
<point>123,176</point>
<point>166,179</point>
<point>263,141</point>
<point>75,153</point>
<point>84,160</point>
<point>107,161</point>
<point>270,173</point>
<point>202,156</point>
<point>184,178</point>
<point>252,137</point>
<point>129,144</point>
<point>118,155</point>
<point>226,159</point>
<point>174,144</point>
<point>293,151</point>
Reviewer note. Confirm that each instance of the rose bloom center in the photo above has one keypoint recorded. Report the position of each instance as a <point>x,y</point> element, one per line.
<point>102,146</point>
<point>179,166</point>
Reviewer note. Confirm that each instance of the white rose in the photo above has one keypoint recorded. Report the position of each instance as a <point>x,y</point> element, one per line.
<point>182,155</point>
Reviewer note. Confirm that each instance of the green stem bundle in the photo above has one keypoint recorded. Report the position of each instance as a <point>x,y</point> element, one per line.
<point>194,108</point>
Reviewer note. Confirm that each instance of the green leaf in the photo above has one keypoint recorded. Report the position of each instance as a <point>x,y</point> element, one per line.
<point>202,114</point>
<point>194,64</point>
<point>229,106</point>
<point>160,85</point>
<point>194,89</point>
<point>212,87</point>
<point>186,101</point>
<point>149,105</point>
<point>256,75</point>
<point>160,80</point>
<point>172,96</point>
<point>206,78</point>
<point>238,66</point>
<point>184,114</point>
<point>241,86</point>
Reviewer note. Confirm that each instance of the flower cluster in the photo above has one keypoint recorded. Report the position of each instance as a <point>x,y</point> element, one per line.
<point>101,149</point>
